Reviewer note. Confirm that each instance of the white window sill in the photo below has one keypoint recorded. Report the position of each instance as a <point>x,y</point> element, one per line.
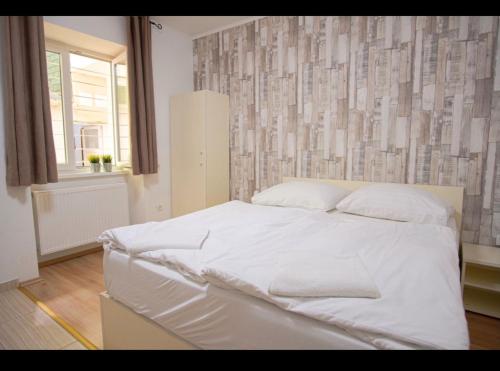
<point>68,175</point>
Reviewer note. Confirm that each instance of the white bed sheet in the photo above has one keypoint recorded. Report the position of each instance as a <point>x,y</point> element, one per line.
<point>210,317</point>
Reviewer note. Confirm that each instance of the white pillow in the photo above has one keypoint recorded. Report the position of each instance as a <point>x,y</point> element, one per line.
<point>397,202</point>
<point>304,194</point>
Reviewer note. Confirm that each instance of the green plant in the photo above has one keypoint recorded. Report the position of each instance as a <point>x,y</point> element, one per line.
<point>106,159</point>
<point>94,159</point>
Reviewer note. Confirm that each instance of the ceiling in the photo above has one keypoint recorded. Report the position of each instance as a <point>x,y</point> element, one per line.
<point>201,25</point>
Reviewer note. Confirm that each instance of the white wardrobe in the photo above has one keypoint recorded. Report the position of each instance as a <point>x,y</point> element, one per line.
<point>199,151</point>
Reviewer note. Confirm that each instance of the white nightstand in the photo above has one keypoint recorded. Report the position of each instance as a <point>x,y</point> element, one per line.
<point>481,279</point>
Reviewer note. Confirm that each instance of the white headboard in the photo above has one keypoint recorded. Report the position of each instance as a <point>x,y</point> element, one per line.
<point>453,195</point>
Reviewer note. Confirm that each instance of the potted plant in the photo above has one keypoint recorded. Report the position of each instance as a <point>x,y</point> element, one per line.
<point>106,161</point>
<point>95,164</point>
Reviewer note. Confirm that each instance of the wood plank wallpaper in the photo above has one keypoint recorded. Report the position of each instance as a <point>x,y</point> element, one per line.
<point>386,99</point>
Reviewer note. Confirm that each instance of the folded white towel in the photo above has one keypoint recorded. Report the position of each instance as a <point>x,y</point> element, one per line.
<point>316,274</point>
<point>154,236</point>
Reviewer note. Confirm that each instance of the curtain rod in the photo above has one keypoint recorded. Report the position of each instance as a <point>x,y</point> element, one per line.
<point>157,25</point>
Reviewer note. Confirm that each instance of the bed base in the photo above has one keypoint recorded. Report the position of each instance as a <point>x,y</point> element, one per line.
<point>122,328</point>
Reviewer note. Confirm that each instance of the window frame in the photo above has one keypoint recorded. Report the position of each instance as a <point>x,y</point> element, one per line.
<point>119,59</point>
<point>64,50</point>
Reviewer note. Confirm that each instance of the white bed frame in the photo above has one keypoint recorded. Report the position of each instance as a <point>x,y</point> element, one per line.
<point>123,328</point>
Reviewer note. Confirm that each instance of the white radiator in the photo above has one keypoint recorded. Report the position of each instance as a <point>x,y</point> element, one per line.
<point>71,217</point>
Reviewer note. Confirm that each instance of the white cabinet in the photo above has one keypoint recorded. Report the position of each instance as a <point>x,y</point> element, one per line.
<point>481,279</point>
<point>199,151</point>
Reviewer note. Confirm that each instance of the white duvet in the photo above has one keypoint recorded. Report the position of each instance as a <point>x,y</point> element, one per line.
<point>414,266</point>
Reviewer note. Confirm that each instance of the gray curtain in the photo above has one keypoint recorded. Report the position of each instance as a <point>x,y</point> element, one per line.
<point>142,110</point>
<point>30,152</point>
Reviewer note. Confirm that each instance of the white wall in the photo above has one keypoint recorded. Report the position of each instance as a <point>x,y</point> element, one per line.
<point>172,73</point>
<point>149,195</point>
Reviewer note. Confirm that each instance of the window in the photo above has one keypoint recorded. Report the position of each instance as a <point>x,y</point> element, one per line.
<point>89,106</point>
<point>56,105</point>
<point>122,112</point>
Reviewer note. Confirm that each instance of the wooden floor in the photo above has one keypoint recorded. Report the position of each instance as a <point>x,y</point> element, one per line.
<point>71,289</point>
<point>23,325</point>
<point>484,331</point>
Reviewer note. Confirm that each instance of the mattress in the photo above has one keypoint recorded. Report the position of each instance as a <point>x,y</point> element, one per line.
<point>210,317</point>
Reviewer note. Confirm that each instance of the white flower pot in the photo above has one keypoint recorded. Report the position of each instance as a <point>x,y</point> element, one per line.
<point>95,168</point>
<point>108,167</point>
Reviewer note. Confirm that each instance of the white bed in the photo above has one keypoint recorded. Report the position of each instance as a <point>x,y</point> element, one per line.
<point>230,317</point>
